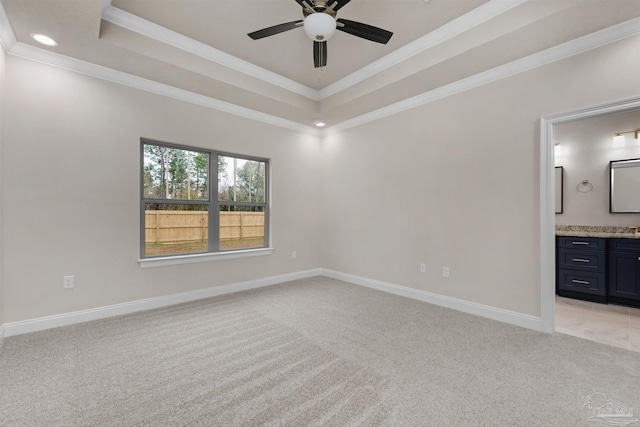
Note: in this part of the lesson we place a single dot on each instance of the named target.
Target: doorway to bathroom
(577, 148)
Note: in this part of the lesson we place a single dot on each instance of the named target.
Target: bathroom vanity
(599, 264)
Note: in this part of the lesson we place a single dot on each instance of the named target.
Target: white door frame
(547, 211)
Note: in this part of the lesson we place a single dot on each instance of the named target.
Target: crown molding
(574, 47)
(481, 14)
(136, 24)
(12, 47)
(51, 58)
(451, 29)
(591, 41)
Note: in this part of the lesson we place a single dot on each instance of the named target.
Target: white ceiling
(201, 47)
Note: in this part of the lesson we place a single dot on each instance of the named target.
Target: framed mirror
(559, 186)
(624, 189)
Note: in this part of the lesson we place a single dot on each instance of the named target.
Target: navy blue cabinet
(624, 271)
(598, 269)
(581, 268)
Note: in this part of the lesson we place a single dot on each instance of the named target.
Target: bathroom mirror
(624, 193)
(559, 188)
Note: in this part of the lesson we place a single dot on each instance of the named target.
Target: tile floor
(606, 323)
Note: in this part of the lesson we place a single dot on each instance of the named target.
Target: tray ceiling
(202, 47)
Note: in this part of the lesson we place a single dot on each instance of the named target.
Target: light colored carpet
(311, 352)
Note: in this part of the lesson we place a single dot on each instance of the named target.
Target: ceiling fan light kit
(320, 24)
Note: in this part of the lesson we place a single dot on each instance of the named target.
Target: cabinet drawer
(587, 243)
(582, 260)
(584, 282)
(624, 245)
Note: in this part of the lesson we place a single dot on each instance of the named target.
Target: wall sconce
(557, 149)
(619, 139)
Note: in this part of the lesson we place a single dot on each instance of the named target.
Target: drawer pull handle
(579, 243)
(582, 282)
(580, 260)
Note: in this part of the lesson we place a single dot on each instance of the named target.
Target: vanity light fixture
(619, 139)
(46, 40)
(557, 149)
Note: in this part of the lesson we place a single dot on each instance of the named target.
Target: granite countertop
(609, 231)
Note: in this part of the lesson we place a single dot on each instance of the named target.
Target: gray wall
(456, 183)
(3, 88)
(586, 152)
(72, 191)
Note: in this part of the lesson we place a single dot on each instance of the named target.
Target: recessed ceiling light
(46, 40)
(319, 123)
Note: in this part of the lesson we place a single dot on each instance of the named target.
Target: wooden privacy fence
(192, 226)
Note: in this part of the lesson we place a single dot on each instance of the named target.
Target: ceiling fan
(320, 23)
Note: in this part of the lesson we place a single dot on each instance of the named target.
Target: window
(185, 211)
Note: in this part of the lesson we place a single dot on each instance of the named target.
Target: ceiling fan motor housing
(318, 6)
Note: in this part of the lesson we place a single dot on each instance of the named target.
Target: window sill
(191, 258)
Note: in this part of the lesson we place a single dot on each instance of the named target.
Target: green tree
(155, 171)
(172, 173)
(200, 176)
(250, 182)
(177, 178)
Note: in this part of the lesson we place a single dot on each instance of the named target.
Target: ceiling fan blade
(276, 29)
(364, 31)
(319, 54)
(338, 4)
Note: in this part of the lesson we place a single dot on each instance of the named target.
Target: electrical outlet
(294, 254)
(423, 267)
(445, 271)
(67, 282)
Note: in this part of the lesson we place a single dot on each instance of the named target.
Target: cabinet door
(624, 274)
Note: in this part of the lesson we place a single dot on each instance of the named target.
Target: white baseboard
(506, 316)
(65, 319)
